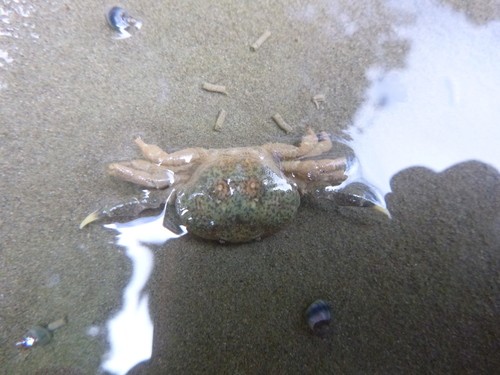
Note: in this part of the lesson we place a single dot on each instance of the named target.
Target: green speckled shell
(237, 199)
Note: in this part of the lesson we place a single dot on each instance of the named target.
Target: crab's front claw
(355, 194)
(148, 200)
(94, 216)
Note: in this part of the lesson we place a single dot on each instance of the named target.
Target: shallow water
(413, 90)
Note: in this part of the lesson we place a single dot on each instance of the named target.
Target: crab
(234, 194)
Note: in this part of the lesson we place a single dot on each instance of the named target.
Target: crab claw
(94, 216)
(149, 200)
(382, 210)
(356, 194)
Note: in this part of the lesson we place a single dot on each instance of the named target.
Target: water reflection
(130, 331)
(441, 109)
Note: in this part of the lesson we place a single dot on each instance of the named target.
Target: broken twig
(317, 99)
(214, 88)
(255, 46)
(282, 123)
(220, 120)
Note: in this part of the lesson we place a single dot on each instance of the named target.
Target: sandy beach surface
(419, 293)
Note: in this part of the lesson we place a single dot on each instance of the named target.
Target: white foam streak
(130, 331)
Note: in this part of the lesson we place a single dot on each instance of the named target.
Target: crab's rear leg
(143, 173)
(285, 151)
(157, 156)
(323, 144)
(308, 173)
(148, 200)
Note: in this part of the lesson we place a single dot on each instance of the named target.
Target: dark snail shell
(318, 317)
(118, 18)
(122, 22)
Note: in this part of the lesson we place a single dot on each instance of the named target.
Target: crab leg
(143, 173)
(156, 155)
(285, 151)
(324, 145)
(328, 170)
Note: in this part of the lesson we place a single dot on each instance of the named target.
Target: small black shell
(318, 317)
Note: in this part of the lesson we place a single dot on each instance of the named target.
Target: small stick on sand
(214, 88)
(220, 120)
(57, 324)
(320, 98)
(281, 123)
(255, 46)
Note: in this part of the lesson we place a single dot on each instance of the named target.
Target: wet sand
(419, 293)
